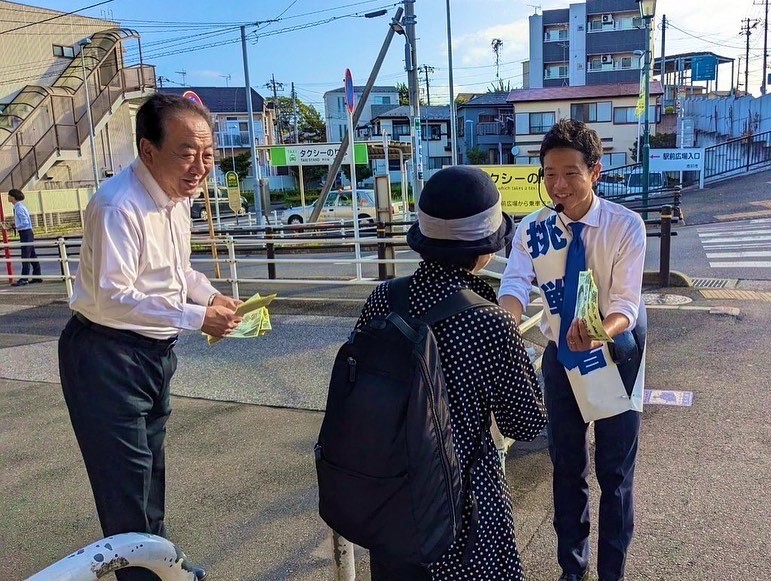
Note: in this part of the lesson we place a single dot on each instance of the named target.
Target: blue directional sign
(704, 68)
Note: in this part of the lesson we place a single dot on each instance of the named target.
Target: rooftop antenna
(227, 79)
(535, 7)
(183, 72)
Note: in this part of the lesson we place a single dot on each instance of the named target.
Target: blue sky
(315, 57)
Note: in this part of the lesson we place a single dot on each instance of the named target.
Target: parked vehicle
(611, 185)
(657, 181)
(198, 206)
(339, 206)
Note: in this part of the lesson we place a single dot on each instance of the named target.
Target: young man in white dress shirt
(135, 290)
(610, 240)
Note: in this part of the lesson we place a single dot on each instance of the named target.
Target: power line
(54, 17)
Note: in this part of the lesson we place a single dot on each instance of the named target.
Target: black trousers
(616, 441)
(116, 386)
(29, 262)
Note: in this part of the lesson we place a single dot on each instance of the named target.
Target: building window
(534, 123)
(591, 112)
(626, 62)
(438, 162)
(485, 118)
(556, 71)
(64, 51)
(382, 99)
(432, 132)
(401, 129)
(613, 160)
(628, 115)
(340, 104)
(555, 33)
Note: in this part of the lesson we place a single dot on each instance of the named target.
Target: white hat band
(467, 229)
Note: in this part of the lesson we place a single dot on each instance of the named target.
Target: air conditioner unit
(607, 19)
(607, 59)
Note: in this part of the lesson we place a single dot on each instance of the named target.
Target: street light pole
(252, 148)
(647, 10)
(83, 44)
(453, 111)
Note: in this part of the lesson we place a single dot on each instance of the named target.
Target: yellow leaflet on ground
(256, 322)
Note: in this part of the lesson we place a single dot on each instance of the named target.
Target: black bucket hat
(459, 214)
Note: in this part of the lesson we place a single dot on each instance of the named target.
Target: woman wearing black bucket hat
(460, 226)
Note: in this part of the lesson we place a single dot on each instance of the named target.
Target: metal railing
(737, 156)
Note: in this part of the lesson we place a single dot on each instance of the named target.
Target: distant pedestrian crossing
(745, 244)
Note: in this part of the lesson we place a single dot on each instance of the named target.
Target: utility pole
(749, 26)
(275, 85)
(765, 52)
(294, 114)
(412, 85)
(426, 70)
(663, 68)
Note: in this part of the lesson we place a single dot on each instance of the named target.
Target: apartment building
(611, 110)
(381, 98)
(598, 42)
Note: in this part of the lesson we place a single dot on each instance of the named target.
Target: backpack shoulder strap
(457, 302)
(399, 296)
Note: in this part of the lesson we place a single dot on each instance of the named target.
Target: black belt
(129, 337)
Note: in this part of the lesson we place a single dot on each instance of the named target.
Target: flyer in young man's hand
(256, 320)
(587, 307)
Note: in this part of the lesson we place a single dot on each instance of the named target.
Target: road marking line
(742, 254)
(740, 239)
(736, 294)
(722, 233)
(750, 264)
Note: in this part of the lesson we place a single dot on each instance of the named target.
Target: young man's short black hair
(571, 134)
(17, 195)
(153, 113)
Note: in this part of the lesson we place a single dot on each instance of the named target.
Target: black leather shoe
(573, 577)
(35, 280)
(20, 282)
(199, 573)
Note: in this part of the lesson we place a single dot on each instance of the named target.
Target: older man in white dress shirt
(135, 290)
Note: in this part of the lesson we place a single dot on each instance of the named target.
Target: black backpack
(388, 476)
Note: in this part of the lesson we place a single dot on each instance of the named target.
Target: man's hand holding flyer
(587, 307)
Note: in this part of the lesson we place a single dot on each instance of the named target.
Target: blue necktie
(576, 262)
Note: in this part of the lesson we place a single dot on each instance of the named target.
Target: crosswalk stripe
(753, 264)
(743, 254)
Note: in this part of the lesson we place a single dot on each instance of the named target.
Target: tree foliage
(657, 141)
(310, 123)
(243, 163)
(476, 156)
(404, 95)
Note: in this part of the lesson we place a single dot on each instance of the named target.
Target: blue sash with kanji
(596, 381)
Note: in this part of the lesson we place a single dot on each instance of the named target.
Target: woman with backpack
(486, 370)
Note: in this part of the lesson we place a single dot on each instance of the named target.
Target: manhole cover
(712, 282)
(665, 299)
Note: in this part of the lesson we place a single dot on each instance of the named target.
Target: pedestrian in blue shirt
(23, 224)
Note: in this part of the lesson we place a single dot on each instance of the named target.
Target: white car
(339, 206)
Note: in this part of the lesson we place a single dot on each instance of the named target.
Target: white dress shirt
(614, 238)
(134, 270)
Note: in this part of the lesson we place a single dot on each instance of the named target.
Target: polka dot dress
(487, 370)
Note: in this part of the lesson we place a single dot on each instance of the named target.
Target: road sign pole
(349, 101)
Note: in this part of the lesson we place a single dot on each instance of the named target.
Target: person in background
(23, 224)
(552, 245)
(135, 290)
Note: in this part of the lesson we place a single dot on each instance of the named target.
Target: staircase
(43, 125)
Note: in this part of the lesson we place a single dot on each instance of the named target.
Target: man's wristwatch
(210, 302)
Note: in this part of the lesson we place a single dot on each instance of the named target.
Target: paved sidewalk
(241, 483)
